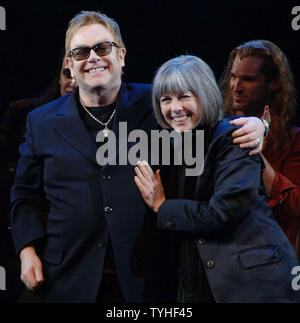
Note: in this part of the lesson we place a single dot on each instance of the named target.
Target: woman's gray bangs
(172, 81)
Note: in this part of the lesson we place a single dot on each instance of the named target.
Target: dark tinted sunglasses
(101, 49)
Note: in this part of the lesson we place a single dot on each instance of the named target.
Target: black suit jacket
(245, 254)
(85, 203)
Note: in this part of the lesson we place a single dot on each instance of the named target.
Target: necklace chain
(105, 130)
(102, 123)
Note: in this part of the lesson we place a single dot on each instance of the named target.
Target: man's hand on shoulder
(250, 135)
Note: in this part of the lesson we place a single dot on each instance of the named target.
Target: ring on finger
(257, 140)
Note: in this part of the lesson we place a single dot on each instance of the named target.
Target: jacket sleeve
(236, 179)
(285, 191)
(27, 196)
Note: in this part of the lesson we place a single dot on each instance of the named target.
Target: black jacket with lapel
(86, 202)
(245, 254)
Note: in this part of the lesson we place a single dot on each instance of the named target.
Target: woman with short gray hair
(233, 249)
(188, 73)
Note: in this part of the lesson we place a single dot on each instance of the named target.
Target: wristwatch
(266, 125)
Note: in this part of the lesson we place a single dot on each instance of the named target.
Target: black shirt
(93, 127)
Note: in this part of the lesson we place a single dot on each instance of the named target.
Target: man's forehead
(249, 64)
(237, 61)
(91, 35)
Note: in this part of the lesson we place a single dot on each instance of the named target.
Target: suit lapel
(127, 111)
(69, 124)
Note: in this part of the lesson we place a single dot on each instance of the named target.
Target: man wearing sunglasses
(96, 66)
(98, 241)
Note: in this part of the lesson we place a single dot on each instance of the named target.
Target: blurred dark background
(153, 31)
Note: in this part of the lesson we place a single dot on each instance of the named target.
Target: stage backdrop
(153, 31)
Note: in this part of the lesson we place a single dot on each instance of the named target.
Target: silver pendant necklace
(106, 131)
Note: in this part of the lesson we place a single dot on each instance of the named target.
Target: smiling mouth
(98, 69)
(182, 118)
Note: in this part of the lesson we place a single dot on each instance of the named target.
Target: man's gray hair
(188, 73)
